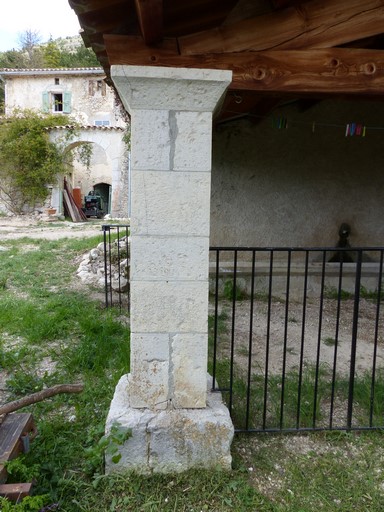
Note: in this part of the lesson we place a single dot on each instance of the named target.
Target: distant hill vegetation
(68, 52)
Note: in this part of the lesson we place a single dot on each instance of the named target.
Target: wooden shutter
(45, 97)
(67, 102)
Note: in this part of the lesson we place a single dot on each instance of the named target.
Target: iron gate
(297, 338)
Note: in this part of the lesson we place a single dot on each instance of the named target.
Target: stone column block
(155, 258)
(169, 307)
(170, 203)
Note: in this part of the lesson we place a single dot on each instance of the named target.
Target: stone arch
(109, 165)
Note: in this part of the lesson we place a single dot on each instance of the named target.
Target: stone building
(83, 94)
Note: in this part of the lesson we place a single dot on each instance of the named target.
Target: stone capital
(160, 88)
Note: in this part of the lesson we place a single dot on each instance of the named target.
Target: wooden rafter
(279, 4)
(81, 7)
(150, 15)
(315, 24)
(325, 71)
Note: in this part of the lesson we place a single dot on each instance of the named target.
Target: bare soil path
(43, 227)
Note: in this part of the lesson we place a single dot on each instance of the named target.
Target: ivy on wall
(29, 160)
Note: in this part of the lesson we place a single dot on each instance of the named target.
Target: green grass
(42, 316)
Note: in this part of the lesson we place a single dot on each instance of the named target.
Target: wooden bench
(16, 431)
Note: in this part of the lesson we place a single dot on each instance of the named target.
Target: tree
(51, 54)
(29, 42)
(12, 59)
(28, 159)
(78, 57)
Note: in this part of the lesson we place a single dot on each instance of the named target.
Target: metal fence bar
(282, 396)
(267, 345)
(116, 237)
(215, 320)
(321, 304)
(250, 339)
(355, 324)
(335, 351)
(234, 292)
(376, 339)
(302, 339)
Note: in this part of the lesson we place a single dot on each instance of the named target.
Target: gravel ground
(44, 227)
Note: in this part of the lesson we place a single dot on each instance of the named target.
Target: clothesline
(283, 123)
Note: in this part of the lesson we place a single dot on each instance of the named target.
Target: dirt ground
(317, 338)
(44, 227)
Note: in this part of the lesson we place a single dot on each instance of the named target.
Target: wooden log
(39, 396)
(314, 24)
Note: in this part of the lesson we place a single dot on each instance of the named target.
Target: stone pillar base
(171, 440)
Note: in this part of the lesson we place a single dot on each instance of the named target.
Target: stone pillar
(171, 116)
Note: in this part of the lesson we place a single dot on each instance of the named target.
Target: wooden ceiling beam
(150, 15)
(239, 104)
(280, 4)
(314, 24)
(83, 6)
(326, 71)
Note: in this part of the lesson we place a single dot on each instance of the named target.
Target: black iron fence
(297, 337)
(116, 265)
(296, 334)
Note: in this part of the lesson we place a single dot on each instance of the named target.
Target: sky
(48, 17)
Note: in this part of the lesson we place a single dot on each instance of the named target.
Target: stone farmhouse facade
(83, 94)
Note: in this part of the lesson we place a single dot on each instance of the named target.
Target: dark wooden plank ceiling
(276, 48)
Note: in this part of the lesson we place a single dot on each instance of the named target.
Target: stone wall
(295, 186)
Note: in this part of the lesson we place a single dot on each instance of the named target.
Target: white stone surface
(193, 136)
(189, 360)
(152, 382)
(172, 440)
(157, 258)
(169, 203)
(150, 370)
(160, 88)
(150, 140)
(169, 306)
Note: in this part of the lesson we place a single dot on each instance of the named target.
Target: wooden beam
(315, 24)
(280, 4)
(15, 492)
(330, 71)
(239, 104)
(150, 15)
(79, 6)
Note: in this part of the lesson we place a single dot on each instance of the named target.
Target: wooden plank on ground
(12, 429)
(15, 492)
(68, 204)
(77, 211)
